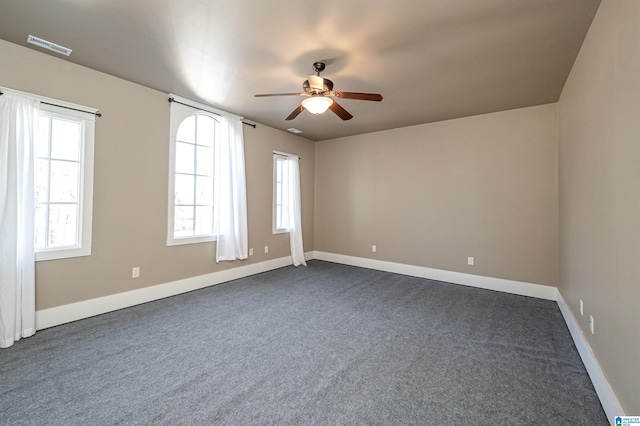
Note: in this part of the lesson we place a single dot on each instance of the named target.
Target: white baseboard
(75, 311)
(607, 397)
(498, 284)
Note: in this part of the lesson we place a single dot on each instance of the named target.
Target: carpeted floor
(326, 344)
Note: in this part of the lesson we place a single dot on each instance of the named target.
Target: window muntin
(63, 183)
(193, 180)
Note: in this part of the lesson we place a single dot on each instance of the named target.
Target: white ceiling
(431, 59)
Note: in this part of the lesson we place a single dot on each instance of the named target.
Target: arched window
(192, 178)
(207, 183)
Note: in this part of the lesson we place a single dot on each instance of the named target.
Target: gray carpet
(326, 344)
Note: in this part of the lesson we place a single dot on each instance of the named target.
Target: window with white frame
(280, 193)
(63, 183)
(192, 178)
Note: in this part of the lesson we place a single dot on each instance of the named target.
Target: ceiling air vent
(294, 130)
(48, 45)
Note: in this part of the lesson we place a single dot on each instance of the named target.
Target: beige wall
(131, 181)
(599, 161)
(434, 194)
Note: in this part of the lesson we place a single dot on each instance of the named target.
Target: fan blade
(280, 94)
(360, 96)
(340, 112)
(295, 112)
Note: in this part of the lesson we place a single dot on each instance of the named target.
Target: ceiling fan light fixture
(317, 104)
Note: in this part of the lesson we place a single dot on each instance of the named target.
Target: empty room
(347, 212)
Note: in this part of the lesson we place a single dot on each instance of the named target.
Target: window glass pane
(204, 161)
(204, 190)
(64, 181)
(184, 189)
(63, 225)
(285, 175)
(278, 170)
(65, 139)
(278, 193)
(41, 226)
(187, 130)
(43, 137)
(285, 217)
(183, 221)
(278, 216)
(204, 221)
(206, 128)
(185, 157)
(42, 181)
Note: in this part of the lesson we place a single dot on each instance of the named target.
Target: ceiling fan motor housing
(327, 87)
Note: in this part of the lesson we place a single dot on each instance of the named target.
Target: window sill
(62, 254)
(190, 240)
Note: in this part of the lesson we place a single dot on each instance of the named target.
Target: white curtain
(295, 212)
(18, 123)
(231, 193)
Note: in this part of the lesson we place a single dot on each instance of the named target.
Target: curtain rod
(286, 154)
(97, 113)
(211, 112)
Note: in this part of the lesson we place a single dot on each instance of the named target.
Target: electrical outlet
(470, 260)
(581, 307)
(135, 272)
(374, 248)
(250, 252)
(266, 249)
(591, 324)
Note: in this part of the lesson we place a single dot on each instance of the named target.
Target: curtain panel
(18, 127)
(295, 212)
(231, 193)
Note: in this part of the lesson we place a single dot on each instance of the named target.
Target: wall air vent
(48, 45)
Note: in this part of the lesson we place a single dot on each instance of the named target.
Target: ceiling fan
(319, 91)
